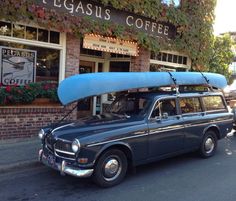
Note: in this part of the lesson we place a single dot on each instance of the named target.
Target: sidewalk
(18, 153)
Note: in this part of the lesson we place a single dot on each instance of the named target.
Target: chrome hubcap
(112, 169)
(209, 145)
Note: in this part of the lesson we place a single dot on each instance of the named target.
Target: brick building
(57, 55)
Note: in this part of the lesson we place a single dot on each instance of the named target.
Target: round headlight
(75, 145)
(41, 134)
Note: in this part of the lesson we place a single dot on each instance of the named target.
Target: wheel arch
(213, 128)
(120, 146)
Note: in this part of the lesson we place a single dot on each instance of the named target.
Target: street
(187, 177)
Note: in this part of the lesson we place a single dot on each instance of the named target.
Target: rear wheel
(110, 168)
(208, 145)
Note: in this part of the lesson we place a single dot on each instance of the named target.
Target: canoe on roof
(92, 84)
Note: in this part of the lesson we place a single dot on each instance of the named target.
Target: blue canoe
(92, 84)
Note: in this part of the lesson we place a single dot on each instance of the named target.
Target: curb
(19, 165)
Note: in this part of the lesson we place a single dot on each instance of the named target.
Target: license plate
(51, 160)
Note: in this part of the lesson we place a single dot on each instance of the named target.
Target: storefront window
(29, 32)
(5, 28)
(47, 60)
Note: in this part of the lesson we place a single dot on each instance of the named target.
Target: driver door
(166, 130)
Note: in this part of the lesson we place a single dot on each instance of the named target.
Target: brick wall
(141, 63)
(72, 55)
(25, 121)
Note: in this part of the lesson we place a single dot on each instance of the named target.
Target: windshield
(130, 106)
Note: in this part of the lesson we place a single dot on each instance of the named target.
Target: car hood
(93, 125)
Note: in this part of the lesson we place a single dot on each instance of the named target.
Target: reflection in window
(190, 105)
(18, 31)
(213, 103)
(47, 64)
(5, 28)
(54, 37)
(31, 33)
(42, 35)
(167, 106)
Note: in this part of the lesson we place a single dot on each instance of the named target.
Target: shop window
(42, 35)
(5, 28)
(18, 31)
(54, 37)
(47, 60)
(180, 60)
(29, 33)
(113, 55)
(170, 57)
(175, 59)
(164, 57)
(117, 66)
(100, 67)
(185, 60)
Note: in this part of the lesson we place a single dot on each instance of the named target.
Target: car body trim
(65, 152)
(158, 131)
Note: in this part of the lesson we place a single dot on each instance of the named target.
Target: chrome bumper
(64, 168)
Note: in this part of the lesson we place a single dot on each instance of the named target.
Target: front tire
(110, 168)
(208, 145)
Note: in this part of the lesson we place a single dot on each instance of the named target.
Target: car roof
(163, 94)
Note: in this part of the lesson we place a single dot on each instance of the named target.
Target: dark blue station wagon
(138, 128)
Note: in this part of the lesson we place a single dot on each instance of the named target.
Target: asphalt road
(183, 178)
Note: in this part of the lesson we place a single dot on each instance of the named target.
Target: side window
(166, 106)
(212, 103)
(190, 105)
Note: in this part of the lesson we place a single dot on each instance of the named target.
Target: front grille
(49, 141)
(63, 149)
(63, 146)
(64, 155)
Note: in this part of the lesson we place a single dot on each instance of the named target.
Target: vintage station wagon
(138, 128)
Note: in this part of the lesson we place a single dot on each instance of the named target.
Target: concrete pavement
(18, 153)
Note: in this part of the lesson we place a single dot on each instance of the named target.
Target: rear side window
(212, 103)
(190, 105)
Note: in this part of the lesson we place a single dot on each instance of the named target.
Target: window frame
(160, 99)
(191, 113)
(61, 46)
(215, 110)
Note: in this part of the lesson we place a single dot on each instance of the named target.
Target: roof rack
(207, 80)
(175, 84)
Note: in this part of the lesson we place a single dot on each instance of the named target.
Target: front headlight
(75, 145)
(41, 134)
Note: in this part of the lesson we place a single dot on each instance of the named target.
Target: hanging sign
(17, 66)
(107, 44)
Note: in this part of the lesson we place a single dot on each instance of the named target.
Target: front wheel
(110, 168)
(208, 145)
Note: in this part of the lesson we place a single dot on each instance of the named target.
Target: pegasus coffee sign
(17, 66)
(99, 12)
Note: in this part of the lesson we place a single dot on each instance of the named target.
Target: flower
(8, 89)
(26, 94)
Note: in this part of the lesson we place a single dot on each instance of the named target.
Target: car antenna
(207, 80)
(175, 84)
